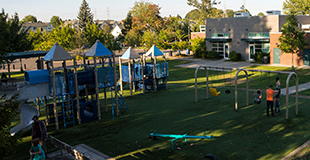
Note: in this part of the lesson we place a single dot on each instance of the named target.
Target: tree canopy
(12, 37)
(29, 18)
(56, 21)
(300, 7)
(84, 16)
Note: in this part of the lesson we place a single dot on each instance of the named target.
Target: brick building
(250, 35)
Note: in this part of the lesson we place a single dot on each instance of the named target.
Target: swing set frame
(290, 74)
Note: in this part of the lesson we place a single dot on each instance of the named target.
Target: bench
(79, 152)
(65, 147)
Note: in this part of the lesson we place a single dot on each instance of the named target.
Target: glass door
(252, 52)
(226, 51)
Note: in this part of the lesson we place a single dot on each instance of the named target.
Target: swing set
(206, 68)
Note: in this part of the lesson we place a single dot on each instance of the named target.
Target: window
(220, 35)
(258, 35)
(218, 47)
(202, 28)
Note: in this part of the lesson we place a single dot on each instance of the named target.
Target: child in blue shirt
(36, 150)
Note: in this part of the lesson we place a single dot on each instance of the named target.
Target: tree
(179, 34)
(85, 16)
(92, 33)
(145, 16)
(56, 21)
(198, 46)
(261, 14)
(127, 23)
(206, 9)
(8, 110)
(29, 18)
(193, 15)
(106, 28)
(133, 38)
(148, 39)
(36, 38)
(230, 13)
(300, 7)
(292, 39)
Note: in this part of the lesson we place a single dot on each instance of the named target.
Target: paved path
(292, 90)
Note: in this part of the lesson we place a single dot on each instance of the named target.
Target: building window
(258, 47)
(258, 35)
(202, 28)
(220, 35)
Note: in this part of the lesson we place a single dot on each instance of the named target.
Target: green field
(243, 134)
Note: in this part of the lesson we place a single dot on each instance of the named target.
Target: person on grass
(36, 150)
(269, 97)
(278, 85)
(258, 97)
(39, 131)
(277, 103)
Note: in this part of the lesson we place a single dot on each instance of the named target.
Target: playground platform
(88, 152)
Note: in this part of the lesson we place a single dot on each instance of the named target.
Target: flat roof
(26, 54)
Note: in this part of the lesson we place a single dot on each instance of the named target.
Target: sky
(118, 9)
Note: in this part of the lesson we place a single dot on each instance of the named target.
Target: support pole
(96, 85)
(120, 74)
(54, 94)
(46, 112)
(104, 89)
(207, 81)
(77, 93)
(142, 74)
(115, 85)
(133, 75)
(154, 73)
(129, 70)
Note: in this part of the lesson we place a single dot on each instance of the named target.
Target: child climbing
(278, 86)
(36, 150)
(258, 97)
(277, 103)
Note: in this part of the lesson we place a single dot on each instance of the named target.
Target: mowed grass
(243, 134)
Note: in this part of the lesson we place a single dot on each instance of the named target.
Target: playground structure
(150, 76)
(131, 73)
(176, 137)
(290, 74)
(155, 75)
(70, 90)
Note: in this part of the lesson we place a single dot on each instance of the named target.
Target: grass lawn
(243, 134)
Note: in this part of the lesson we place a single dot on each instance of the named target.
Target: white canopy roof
(130, 54)
(154, 51)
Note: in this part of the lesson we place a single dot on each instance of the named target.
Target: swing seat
(214, 92)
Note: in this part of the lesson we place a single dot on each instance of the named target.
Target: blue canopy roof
(130, 54)
(98, 50)
(154, 51)
(57, 53)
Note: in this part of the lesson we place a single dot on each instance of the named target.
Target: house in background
(34, 26)
(252, 34)
(117, 30)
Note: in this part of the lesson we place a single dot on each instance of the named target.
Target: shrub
(259, 57)
(234, 56)
(212, 54)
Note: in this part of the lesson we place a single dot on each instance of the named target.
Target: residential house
(34, 26)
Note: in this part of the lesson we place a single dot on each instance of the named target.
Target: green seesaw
(176, 137)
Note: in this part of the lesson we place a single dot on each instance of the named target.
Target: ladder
(121, 100)
(68, 109)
